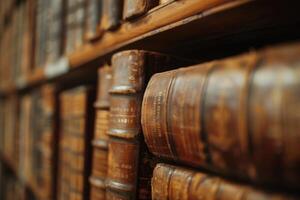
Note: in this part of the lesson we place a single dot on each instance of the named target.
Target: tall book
(100, 141)
(75, 22)
(74, 147)
(131, 71)
(237, 116)
(45, 138)
(172, 183)
(26, 139)
(93, 18)
(111, 14)
(41, 32)
(55, 22)
(134, 8)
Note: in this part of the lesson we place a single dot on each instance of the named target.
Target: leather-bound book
(75, 143)
(172, 183)
(93, 18)
(55, 22)
(46, 139)
(75, 25)
(111, 14)
(133, 8)
(236, 116)
(100, 141)
(25, 140)
(131, 71)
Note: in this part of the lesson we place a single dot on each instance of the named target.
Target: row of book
(15, 44)
(227, 129)
(39, 33)
(27, 139)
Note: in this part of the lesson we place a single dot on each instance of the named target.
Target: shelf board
(175, 27)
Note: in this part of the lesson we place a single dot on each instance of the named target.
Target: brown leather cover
(75, 148)
(172, 183)
(100, 146)
(92, 20)
(131, 72)
(111, 14)
(133, 8)
(237, 116)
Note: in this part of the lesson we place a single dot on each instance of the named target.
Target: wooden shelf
(174, 28)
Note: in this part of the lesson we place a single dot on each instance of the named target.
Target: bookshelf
(210, 22)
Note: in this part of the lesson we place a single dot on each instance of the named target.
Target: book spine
(46, 140)
(134, 8)
(93, 18)
(75, 145)
(217, 115)
(170, 183)
(100, 146)
(273, 116)
(124, 127)
(112, 14)
(131, 72)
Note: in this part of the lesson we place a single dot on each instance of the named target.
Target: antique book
(100, 141)
(111, 14)
(41, 32)
(45, 149)
(172, 183)
(236, 116)
(92, 19)
(75, 25)
(131, 71)
(55, 39)
(25, 144)
(133, 8)
(75, 143)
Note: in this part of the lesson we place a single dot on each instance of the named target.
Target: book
(55, 35)
(165, 1)
(236, 116)
(45, 141)
(130, 72)
(134, 8)
(74, 146)
(75, 25)
(41, 33)
(111, 14)
(93, 18)
(171, 182)
(100, 140)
